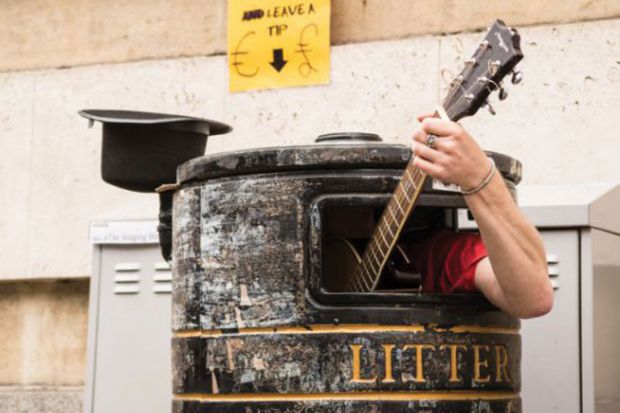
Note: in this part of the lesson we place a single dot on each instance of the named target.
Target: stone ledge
(84, 32)
(37, 399)
(10, 278)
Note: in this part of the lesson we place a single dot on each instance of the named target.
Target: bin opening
(346, 227)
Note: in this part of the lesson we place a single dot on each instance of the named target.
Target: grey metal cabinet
(570, 361)
(129, 366)
(550, 349)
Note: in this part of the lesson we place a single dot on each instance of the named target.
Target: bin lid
(320, 156)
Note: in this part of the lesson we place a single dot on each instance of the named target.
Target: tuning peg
(502, 93)
(489, 108)
(517, 77)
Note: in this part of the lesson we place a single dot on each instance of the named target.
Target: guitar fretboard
(388, 229)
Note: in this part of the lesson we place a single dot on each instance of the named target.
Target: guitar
(495, 58)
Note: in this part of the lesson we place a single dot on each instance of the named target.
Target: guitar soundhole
(345, 231)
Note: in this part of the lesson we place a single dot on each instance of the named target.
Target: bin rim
(349, 156)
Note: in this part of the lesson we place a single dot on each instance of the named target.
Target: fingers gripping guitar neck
(385, 235)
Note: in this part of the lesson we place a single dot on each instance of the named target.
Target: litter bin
(255, 329)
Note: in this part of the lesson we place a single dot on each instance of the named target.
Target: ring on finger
(431, 141)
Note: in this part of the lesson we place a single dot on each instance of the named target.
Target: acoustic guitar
(495, 58)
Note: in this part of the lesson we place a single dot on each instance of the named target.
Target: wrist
(484, 182)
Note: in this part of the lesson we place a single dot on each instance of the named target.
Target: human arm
(514, 275)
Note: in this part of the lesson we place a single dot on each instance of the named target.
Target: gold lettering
(501, 364)
(387, 350)
(357, 375)
(454, 348)
(478, 363)
(419, 366)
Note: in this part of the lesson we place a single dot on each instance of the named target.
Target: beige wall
(43, 333)
(66, 33)
(42, 346)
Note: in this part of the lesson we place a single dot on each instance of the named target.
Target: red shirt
(447, 261)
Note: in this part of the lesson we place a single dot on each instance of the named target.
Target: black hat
(141, 150)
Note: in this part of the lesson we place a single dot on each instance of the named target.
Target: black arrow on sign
(278, 60)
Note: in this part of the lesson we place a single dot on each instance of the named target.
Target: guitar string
(417, 174)
(458, 84)
(483, 47)
(367, 276)
(395, 221)
(371, 278)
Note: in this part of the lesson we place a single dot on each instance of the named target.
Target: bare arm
(514, 276)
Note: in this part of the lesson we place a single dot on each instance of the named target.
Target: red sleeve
(447, 261)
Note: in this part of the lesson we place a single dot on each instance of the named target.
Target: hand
(456, 157)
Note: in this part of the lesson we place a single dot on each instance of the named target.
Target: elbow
(548, 301)
(540, 308)
(541, 305)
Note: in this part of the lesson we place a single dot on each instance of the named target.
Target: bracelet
(484, 182)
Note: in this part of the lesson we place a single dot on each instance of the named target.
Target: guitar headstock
(496, 57)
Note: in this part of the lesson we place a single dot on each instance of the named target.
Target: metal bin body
(253, 329)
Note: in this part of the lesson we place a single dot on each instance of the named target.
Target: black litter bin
(255, 325)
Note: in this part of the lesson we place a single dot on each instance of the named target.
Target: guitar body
(341, 260)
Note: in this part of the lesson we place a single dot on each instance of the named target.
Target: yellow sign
(274, 44)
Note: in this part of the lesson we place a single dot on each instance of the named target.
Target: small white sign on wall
(124, 232)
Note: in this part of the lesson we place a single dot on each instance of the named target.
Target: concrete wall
(59, 57)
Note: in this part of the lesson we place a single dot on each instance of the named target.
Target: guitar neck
(392, 221)
(387, 231)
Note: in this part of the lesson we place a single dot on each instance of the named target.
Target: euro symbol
(235, 55)
(306, 68)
